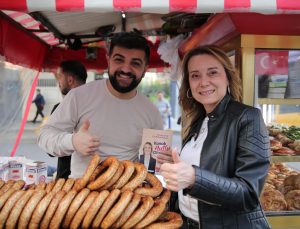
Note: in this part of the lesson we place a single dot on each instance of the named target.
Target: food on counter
(279, 189)
(293, 200)
(139, 203)
(283, 151)
(284, 140)
(275, 145)
(273, 200)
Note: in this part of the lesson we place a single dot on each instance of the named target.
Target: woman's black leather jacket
(233, 167)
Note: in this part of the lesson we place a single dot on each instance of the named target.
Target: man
(39, 103)
(164, 108)
(106, 116)
(70, 74)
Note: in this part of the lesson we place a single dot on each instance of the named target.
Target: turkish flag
(271, 62)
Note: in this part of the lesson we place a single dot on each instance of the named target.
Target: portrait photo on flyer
(154, 142)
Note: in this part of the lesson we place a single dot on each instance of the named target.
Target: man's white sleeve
(56, 135)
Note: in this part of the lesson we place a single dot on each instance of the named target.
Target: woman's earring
(188, 94)
(228, 90)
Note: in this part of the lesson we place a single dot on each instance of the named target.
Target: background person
(105, 116)
(224, 161)
(147, 159)
(39, 103)
(164, 108)
(70, 74)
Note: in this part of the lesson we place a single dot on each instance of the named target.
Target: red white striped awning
(30, 23)
(155, 6)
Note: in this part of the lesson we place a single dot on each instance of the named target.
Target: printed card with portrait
(154, 142)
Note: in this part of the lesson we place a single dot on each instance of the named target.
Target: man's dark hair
(130, 40)
(74, 68)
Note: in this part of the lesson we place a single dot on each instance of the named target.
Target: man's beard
(65, 90)
(115, 84)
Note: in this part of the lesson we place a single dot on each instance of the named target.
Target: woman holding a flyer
(224, 161)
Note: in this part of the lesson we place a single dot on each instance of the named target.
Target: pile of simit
(110, 194)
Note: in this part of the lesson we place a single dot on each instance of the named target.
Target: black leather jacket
(233, 166)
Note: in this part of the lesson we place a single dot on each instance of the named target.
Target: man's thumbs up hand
(84, 142)
(85, 126)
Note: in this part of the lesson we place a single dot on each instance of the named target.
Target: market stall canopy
(80, 28)
(154, 6)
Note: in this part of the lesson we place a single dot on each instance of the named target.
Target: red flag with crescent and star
(271, 62)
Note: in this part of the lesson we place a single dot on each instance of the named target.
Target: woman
(147, 159)
(225, 156)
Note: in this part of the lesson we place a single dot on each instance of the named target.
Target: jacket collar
(220, 108)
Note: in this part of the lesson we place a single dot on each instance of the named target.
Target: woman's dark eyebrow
(212, 68)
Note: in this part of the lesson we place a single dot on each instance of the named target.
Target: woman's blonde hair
(191, 108)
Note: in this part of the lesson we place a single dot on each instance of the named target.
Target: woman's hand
(84, 142)
(178, 175)
(164, 157)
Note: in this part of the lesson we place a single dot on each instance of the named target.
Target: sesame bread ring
(146, 204)
(30, 187)
(10, 203)
(2, 182)
(11, 222)
(68, 185)
(117, 209)
(58, 185)
(94, 208)
(62, 209)
(155, 189)
(19, 184)
(83, 181)
(115, 178)
(155, 212)
(50, 186)
(134, 203)
(128, 172)
(6, 186)
(111, 165)
(76, 203)
(106, 206)
(41, 186)
(80, 214)
(138, 179)
(40, 211)
(169, 220)
(29, 208)
(4, 197)
(51, 209)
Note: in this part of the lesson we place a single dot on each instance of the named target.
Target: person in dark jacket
(39, 103)
(224, 160)
(70, 74)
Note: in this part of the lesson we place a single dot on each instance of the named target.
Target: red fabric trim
(288, 4)
(19, 47)
(67, 5)
(17, 5)
(180, 5)
(127, 4)
(230, 4)
(24, 119)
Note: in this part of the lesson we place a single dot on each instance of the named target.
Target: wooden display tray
(289, 158)
(284, 219)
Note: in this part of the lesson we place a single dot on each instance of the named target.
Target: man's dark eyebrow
(118, 55)
(138, 60)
